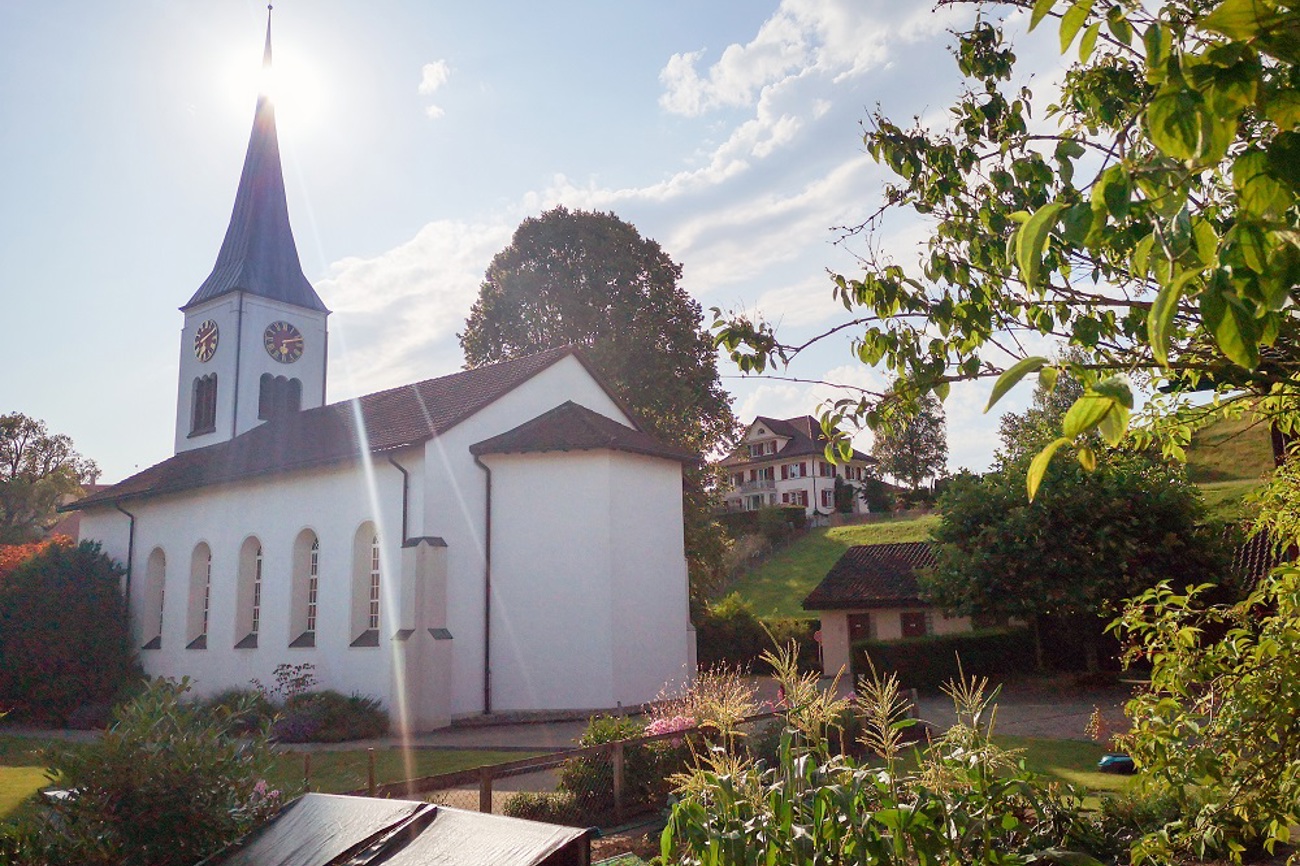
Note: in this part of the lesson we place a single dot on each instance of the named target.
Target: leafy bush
(64, 640)
(929, 662)
(728, 633)
(248, 709)
(777, 523)
(329, 717)
(553, 807)
(168, 784)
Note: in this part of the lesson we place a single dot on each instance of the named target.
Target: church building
(503, 539)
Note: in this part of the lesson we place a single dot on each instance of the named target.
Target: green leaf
(1041, 8)
(1233, 328)
(1176, 121)
(1012, 376)
(1142, 254)
(1118, 24)
(1047, 378)
(1039, 467)
(1160, 320)
(1156, 41)
(1116, 388)
(1089, 41)
(1072, 20)
(1032, 240)
(1242, 20)
(1087, 458)
(1114, 425)
(1085, 414)
(1258, 192)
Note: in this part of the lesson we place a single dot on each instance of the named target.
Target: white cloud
(432, 77)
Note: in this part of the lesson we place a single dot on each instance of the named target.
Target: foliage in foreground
(168, 784)
(63, 634)
(962, 801)
(1217, 731)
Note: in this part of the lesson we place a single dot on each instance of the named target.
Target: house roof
(259, 255)
(873, 575)
(571, 427)
(806, 439)
(374, 423)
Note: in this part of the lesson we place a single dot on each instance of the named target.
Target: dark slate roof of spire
(259, 255)
(392, 419)
(571, 427)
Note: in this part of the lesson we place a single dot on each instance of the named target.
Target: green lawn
(1230, 450)
(22, 772)
(777, 586)
(1073, 761)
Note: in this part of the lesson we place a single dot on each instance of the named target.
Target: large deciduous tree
(1086, 543)
(913, 446)
(37, 470)
(591, 280)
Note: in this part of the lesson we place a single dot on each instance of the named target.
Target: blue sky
(416, 136)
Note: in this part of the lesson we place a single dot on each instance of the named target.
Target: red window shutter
(785, 472)
(803, 468)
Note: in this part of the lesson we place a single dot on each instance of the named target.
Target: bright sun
(292, 82)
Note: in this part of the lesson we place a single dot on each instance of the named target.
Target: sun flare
(292, 82)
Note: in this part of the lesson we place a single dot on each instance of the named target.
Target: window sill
(249, 642)
(368, 638)
(154, 644)
(306, 640)
(200, 642)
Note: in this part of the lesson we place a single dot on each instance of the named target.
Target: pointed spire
(259, 255)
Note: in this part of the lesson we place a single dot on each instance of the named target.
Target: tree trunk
(1038, 644)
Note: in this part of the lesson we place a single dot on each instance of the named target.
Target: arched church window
(277, 395)
(366, 580)
(155, 577)
(305, 589)
(248, 618)
(203, 405)
(200, 598)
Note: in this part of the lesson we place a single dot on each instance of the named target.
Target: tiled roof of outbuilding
(391, 419)
(873, 575)
(806, 440)
(571, 427)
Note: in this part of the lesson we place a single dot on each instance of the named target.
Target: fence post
(485, 789)
(370, 771)
(617, 755)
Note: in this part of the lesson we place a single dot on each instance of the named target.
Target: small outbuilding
(872, 593)
(328, 829)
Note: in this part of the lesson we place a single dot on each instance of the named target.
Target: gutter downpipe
(406, 494)
(487, 589)
(130, 555)
(239, 341)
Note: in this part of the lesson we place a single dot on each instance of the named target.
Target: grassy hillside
(777, 586)
(1228, 460)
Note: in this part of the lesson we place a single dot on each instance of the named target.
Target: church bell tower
(254, 342)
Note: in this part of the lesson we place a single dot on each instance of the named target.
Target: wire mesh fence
(603, 785)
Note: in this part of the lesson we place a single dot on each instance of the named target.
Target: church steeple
(255, 343)
(259, 255)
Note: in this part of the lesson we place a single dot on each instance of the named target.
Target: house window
(756, 449)
(915, 623)
(799, 497)
(797, 470)
(155, 577)
(828, 499)
(771, 447)
(248, 594)
(303, 589)
(200, 597)
(366, 577)
(859, 627)
(203, 405)
(826, 470)
(767, 473)
(278, 395)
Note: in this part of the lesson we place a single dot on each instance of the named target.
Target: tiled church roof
(390, 419)
(570, 427)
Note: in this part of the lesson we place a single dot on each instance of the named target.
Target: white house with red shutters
(783, 462)
(397, 542)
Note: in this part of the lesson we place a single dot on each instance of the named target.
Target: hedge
(727, 633)
(929, 662)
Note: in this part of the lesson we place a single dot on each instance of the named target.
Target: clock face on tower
(283, 342)
(205, 340)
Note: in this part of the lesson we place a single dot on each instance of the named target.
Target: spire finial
(266, 55)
